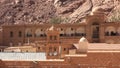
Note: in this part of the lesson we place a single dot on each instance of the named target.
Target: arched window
(95, 23)
(80, 31)
(70, 32)
(28, 32)
(110, 31)
(61, 30)
(39, 32)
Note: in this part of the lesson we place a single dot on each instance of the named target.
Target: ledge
(76, 55)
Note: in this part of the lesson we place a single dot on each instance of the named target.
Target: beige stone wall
(72, 52)
(28, 49)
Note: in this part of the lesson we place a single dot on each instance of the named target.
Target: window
(29, 35)
(64, 49)
(28, 32)
(95, 30)
(50, 37)
(12, 51)
(39, 32)
(61, 29)
(55, 38)
(11, 34)
(26, 50)
(50, 48)
(38, 47)
(20, 34)
(55, 49)
(41, 29)
(72, 29)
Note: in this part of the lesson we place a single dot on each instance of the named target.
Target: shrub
(56, 20)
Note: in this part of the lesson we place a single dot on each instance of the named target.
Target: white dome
(83, 39)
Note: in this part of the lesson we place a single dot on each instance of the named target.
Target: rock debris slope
(43, 11)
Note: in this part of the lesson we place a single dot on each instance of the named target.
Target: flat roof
(77, 55)
(23, 56)
(103, 47)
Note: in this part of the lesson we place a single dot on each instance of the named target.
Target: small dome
(83, 39)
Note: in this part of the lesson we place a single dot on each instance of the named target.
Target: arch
(28, 32)
(110, 30)
(39, 32)
(95, 23)
(70, 31)
(80, 30)
(61, 30)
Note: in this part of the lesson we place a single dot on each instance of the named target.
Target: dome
(83, 39)
(82, 45)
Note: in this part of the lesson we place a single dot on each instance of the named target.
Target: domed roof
(83, 39)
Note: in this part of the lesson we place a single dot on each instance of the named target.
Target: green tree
(56, 20)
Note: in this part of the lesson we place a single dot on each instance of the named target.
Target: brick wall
(104, 60)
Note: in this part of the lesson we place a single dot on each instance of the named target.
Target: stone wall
(96, 59)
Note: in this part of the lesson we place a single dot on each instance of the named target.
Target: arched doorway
(95, 32)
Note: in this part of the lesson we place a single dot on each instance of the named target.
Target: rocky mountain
(46, 11)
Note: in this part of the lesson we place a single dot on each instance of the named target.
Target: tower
(52, 35)
(95, 23)
(52, 47)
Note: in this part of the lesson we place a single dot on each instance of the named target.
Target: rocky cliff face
(42, 11)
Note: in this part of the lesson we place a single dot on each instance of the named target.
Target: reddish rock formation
(42, 11)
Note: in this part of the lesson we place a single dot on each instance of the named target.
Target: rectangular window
(61, 29)
(11, 34)
(50, 37)
(55, 49)
(71, 29)
(64, 49)
(55, 38)
(20, 34)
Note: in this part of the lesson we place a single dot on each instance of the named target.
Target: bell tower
(95, 23)
(53, 44)
(52, 35)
